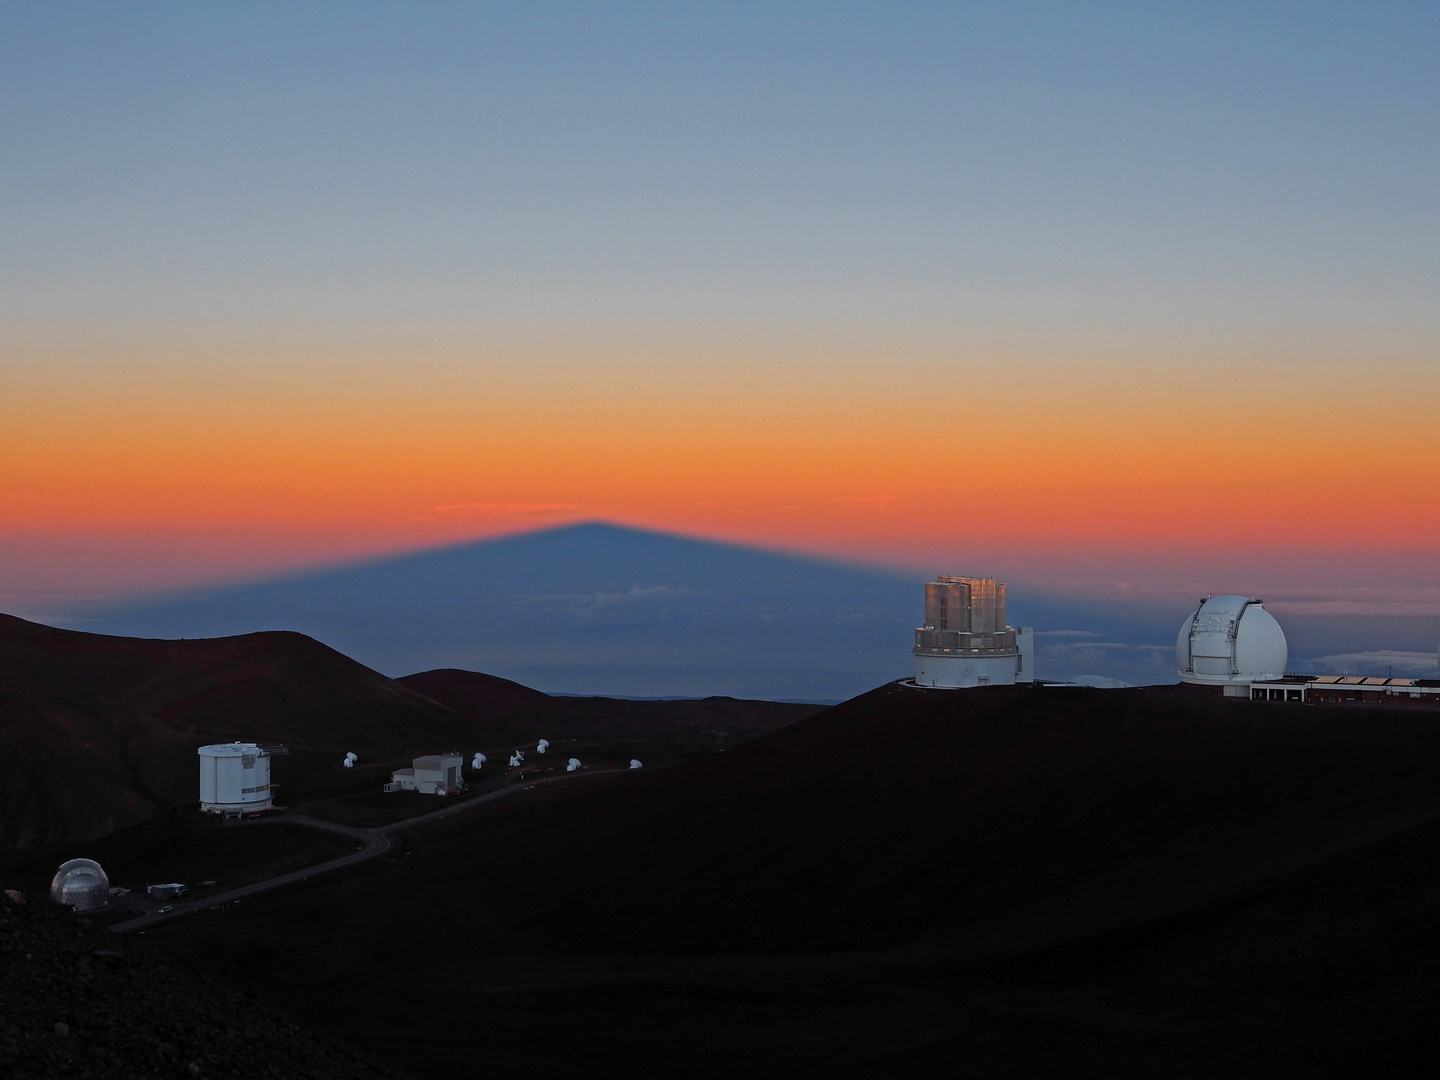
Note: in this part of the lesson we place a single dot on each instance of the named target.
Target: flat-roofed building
(1359, 689)
(432, 774)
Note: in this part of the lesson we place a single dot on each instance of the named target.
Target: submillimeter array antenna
(542, 746)
(350, 760)
(515, 759)
(635, 763)
(479, 761)
(574, 764)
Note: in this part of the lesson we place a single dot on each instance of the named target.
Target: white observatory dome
(1230, 640)
(80, 884)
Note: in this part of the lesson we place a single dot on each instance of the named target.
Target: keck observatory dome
(1230, 641)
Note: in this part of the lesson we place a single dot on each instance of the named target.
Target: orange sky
(1026, 463)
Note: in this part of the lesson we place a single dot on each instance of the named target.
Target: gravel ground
(76, 1001)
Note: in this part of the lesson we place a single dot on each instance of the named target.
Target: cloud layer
(1380, 661)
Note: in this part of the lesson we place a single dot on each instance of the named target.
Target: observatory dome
(81, 884)
(1229, 641)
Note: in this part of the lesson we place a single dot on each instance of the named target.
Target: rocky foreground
(76, 1001)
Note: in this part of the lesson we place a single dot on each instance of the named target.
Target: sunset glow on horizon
(311, 462)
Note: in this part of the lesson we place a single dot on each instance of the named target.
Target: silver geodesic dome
(80, 884)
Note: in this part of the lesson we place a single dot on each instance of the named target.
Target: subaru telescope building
(965, 640)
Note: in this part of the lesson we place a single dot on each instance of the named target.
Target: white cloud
(583, 605)
(636, 594)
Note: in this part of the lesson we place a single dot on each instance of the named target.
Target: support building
(433, 774)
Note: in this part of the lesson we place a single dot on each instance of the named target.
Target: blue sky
(1106, 169)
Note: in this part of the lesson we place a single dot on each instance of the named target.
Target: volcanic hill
(904, 812)
(100, 732)
(1013, 878)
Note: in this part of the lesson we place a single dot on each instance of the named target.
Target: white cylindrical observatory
(234, 777)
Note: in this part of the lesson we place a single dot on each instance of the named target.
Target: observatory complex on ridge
(966, 641)
(1233, 644)
(1229, 646)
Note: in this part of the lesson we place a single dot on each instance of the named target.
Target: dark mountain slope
(100, 732)
(507, 712)
(1028, 814)
(506, 709)
(78, 1001)
(1009, 881)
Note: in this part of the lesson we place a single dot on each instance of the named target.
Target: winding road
(374, 843)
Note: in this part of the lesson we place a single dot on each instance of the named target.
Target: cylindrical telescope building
(234, 778)
(965, 640)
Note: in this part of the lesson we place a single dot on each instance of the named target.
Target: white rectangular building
(433, 774)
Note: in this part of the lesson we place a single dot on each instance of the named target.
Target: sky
(1135, 298)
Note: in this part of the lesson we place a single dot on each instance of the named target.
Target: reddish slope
(99, 732)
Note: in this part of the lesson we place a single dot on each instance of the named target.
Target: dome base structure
(955, 672)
